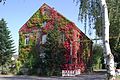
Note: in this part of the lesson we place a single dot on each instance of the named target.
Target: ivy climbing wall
(41, 22)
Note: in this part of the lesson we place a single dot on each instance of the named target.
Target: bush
(97, 56)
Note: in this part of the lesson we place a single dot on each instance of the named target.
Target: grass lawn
(118, 77)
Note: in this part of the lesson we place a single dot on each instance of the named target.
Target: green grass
(118, 77)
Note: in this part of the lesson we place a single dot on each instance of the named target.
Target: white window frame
(44, 39)
(63, 37)
(44, 23)
(44, 11)
(27, 39)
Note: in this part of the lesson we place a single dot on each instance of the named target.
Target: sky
(17, 12)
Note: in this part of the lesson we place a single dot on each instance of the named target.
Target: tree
(114, 13)
(97, 56)
(113, 9)
(2, 1)
(54, 52)
(97, 11)
(6, 44)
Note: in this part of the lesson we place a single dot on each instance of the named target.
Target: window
(38, 36)
(44, 11)
(78, 35)
(27, 39)
(63, 37)
(44, 23)
(44, 39)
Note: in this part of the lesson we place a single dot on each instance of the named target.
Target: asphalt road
(80, 77)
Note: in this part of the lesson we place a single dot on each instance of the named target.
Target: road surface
(80, 77)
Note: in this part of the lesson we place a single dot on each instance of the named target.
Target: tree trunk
(108, 55)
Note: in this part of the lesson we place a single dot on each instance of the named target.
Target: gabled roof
(27, 29)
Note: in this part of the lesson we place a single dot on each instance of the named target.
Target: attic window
(44, 11)
(27, 39)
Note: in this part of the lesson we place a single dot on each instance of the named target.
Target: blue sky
(17, 12)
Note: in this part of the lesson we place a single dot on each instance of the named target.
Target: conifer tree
(6, 44)
(54, 52)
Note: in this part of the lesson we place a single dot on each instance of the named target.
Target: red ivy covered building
(77, 44)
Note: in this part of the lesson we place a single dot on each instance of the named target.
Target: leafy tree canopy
(90, 12)
(2, 1)
(97, 56)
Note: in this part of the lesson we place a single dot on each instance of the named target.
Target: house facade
(77, 44)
